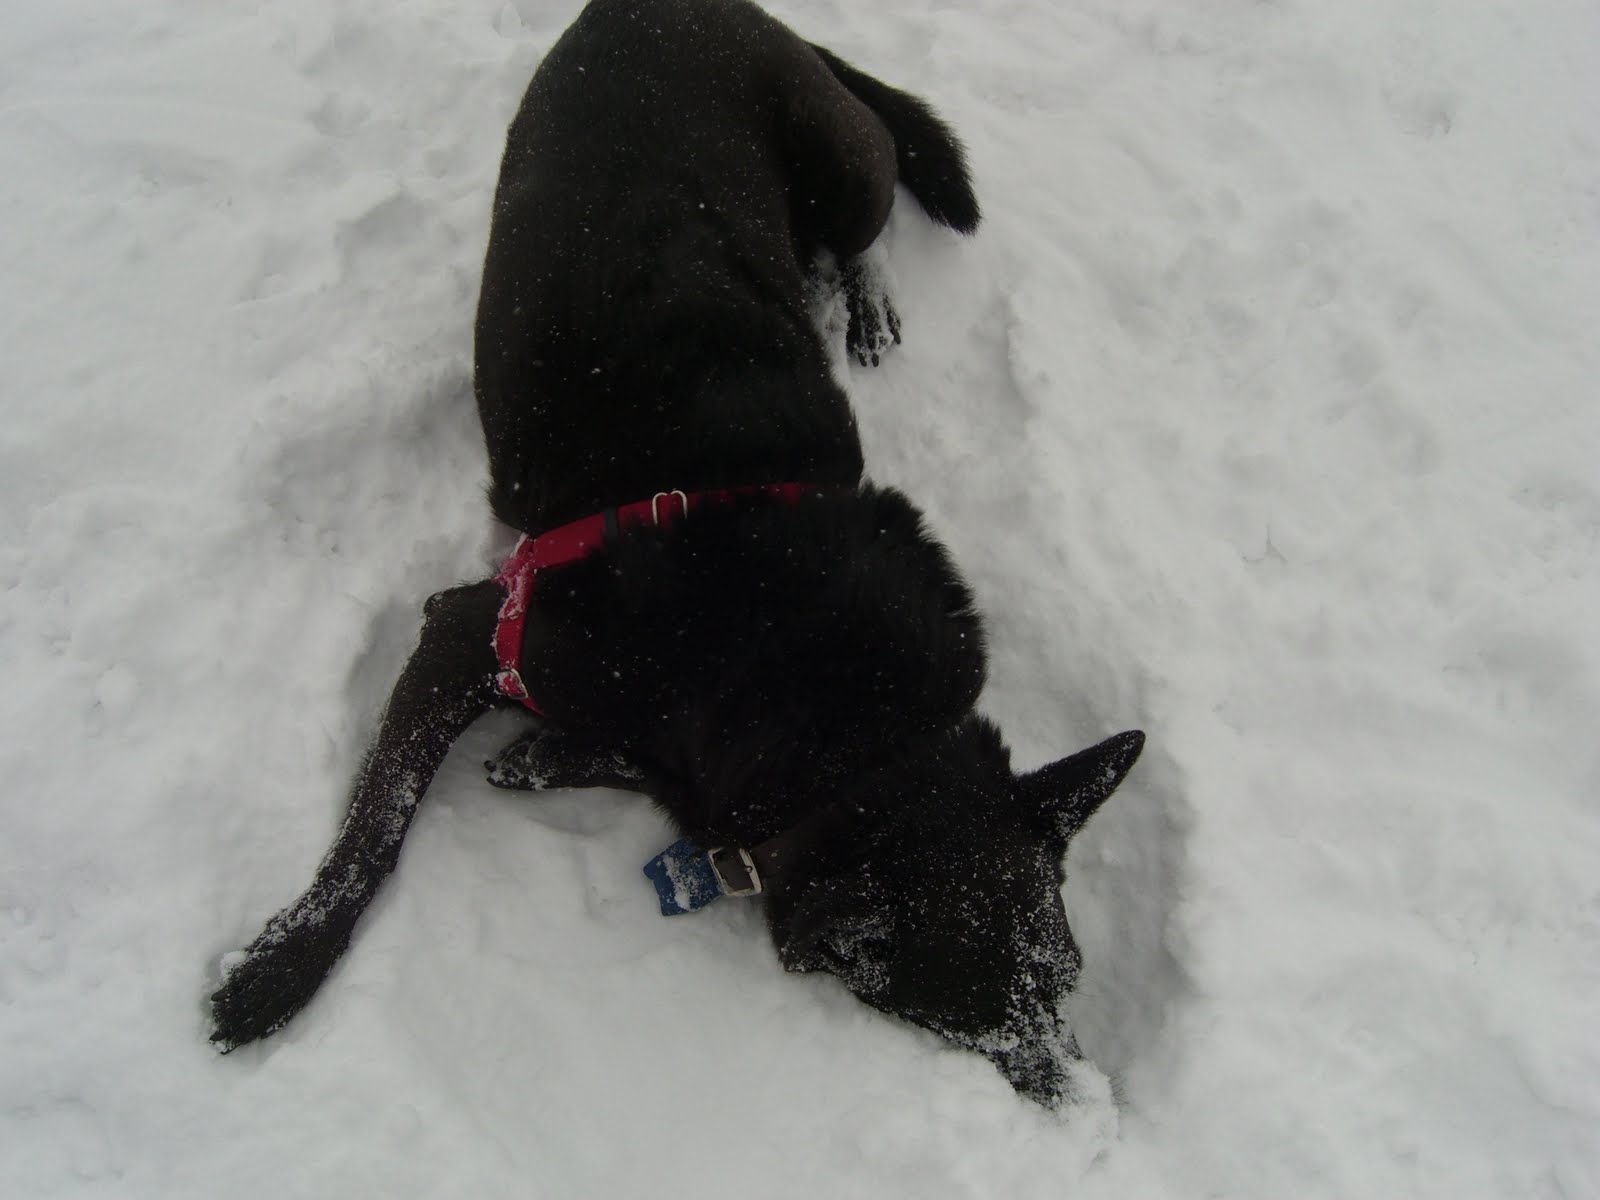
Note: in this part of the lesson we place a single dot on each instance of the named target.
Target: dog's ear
(1066, 793)
(840, 926)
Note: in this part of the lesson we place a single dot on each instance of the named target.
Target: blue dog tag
(683, 877)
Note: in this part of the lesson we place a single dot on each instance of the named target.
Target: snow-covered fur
(675, 171)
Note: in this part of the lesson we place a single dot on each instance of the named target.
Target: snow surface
(1262, 413)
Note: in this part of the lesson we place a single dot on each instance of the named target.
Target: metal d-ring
(655, 501)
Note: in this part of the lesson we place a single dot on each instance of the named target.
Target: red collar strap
(578, 540)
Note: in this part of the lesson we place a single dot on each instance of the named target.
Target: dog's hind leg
(929, 157)
(851, 137)
(841, 166)
(841, 161)
(445, 686)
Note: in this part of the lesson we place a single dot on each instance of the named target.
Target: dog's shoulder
(765, 641)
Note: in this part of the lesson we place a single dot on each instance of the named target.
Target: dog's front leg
(548, 759)
(446, 685)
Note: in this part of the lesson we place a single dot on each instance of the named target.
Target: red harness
(578, 540)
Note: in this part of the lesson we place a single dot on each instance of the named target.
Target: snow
(1261, 414)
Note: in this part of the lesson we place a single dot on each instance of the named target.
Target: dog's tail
(931, 160)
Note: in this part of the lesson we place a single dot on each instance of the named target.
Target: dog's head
(949, 912)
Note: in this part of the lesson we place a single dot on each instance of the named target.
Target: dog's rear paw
(547, 759)
(874, 324)
(271, 981)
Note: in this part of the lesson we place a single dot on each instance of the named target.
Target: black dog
(788, 671)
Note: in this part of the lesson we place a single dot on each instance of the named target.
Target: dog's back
(668, 180)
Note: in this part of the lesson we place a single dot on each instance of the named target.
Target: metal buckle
(752, 884)
(655, 501)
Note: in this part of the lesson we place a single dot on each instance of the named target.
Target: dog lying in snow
(723, 614)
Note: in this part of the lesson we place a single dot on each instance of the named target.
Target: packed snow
(1262, 414)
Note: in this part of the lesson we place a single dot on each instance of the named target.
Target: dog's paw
(273, 979)
(547, 759)
(874, 324)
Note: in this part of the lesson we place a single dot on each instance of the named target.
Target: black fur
(674, 177)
